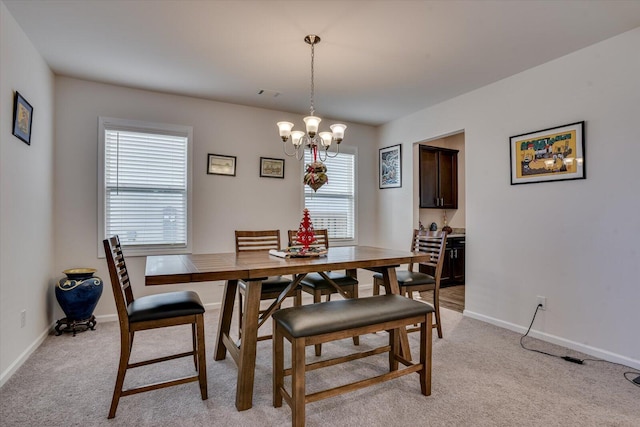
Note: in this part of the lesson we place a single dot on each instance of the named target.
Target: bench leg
(278, 365)
(394, 343)
(354, 294)
(298, 382)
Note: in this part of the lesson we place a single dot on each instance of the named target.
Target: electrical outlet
(542, 301)
(23, 318)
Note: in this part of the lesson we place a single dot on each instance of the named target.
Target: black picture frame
(271, 168)
(22, 118)
(218, 164)
(390, 167)
(547, 155)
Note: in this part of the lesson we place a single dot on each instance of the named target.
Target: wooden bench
(334, 320)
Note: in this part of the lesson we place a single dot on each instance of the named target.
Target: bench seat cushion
(332, 316)
(163, 306)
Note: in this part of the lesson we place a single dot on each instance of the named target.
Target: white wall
(221, 204)
(574, 242)
(26, 203)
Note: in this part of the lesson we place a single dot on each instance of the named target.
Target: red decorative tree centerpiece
(305, 236)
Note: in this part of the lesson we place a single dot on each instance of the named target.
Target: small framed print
(390, 163)
(22, 118)
(554, 154)
(218, 164)
(271, 168)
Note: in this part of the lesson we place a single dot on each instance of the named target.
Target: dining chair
(318, 286)
(410, 281)
(151, 312)
(262, 240)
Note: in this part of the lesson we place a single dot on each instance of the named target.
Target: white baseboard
(586, 349)
(4, 377)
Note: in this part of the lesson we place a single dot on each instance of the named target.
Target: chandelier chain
(312, 84)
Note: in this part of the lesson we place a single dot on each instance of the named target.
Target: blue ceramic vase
(78, 293)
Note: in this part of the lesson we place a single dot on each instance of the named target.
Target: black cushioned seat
(410, 278)
(316, 281)
(166, 305)
(272, 284)
(333, 316)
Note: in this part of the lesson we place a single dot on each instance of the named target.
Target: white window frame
(109, 123)
(345, 149)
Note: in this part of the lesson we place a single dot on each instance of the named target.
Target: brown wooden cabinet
(438, 177)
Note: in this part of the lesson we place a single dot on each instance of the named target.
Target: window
(145, 180)
(333, 206)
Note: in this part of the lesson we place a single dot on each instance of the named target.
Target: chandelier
(318, 142)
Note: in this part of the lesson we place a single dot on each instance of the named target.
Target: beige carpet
(481, 377)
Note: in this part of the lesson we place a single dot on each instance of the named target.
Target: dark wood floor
(451, 297)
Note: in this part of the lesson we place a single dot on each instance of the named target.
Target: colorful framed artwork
(390, 167)
(22, 118)
(271, 168)
(554, 154)
(218, 164)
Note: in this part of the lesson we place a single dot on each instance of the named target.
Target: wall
(221, 204)
(26, 203)
(574, 242)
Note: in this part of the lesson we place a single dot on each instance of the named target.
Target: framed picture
(554, 154)
(390, 164)
(22, 118)
(218, 164)
(271, 168)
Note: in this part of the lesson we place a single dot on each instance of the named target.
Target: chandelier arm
(295, 152)
(336, 152)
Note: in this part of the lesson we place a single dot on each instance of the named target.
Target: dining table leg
(390, 281)
(226, 313)
(247, 359)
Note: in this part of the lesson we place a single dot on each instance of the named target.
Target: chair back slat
(433, 243)
(321, 235)
(262, 240)
(119, 276)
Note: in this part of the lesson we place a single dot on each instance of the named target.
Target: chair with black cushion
(262, 240)
(318, 286)
(414, 281)
(151, 312)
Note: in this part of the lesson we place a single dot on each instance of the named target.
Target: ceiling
(377, 61)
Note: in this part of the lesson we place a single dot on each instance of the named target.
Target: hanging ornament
(316, 175)
(306, 235)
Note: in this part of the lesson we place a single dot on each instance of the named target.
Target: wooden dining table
(253, 267)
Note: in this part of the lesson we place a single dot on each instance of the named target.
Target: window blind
(333, 205)
(146, 188)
